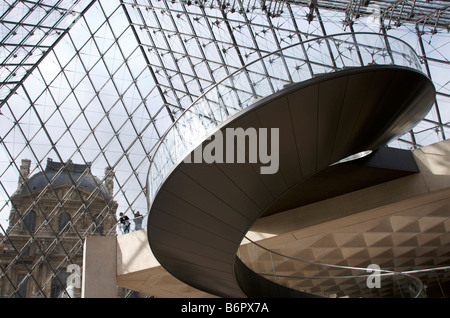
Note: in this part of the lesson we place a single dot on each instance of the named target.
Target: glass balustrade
(329, 280)
(265, 76)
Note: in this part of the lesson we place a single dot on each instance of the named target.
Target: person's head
(121, 213)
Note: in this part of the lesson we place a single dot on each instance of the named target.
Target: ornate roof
(57, 174)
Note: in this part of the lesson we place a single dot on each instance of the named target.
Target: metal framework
(99, 82)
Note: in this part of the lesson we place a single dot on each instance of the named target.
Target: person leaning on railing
(124, 222)
(137, 221)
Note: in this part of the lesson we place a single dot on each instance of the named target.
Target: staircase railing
(329, 280)
(265, 76)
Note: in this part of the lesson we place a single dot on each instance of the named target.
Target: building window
(29, 221)
(21, 292)
(98, 220)
(64, 222)
(26, 250)
(58, 287)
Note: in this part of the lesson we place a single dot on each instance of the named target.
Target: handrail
(202, 96)
(143, 226)
(381, 272)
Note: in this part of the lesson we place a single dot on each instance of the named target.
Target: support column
(99, 267)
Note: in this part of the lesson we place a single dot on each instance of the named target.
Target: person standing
(137, 221)
(125, 223)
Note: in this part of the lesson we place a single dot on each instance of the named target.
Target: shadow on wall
(133, 253)
(435, 159)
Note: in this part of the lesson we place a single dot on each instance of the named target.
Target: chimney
(109, 180)
(24, 171)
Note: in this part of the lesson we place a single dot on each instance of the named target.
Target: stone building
(52, 211)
